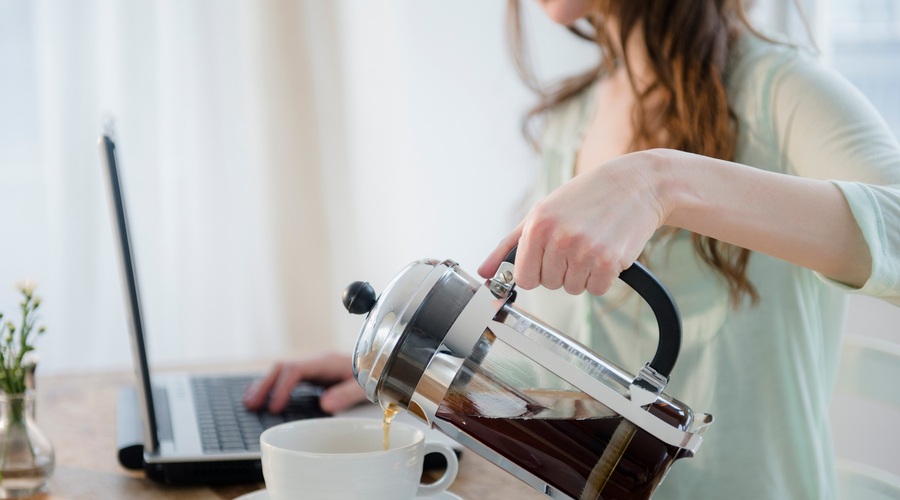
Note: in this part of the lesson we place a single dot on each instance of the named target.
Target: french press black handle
(667, 317)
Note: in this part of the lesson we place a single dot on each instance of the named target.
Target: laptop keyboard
(227, 427)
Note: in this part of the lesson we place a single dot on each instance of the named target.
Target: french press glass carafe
(459, 354)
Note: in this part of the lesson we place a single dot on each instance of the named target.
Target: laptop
(182, 428)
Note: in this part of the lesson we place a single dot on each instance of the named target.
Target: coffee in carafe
(569, 440)
(460, 355)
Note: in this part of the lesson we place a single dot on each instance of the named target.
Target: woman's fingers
(492, 262)
(257, 393)
(576, 279)
(529, 261)
(275, 388)
(342, 396)
(599, 281)
(289, 376)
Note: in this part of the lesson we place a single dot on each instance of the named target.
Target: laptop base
(130, 444)
(207, 473)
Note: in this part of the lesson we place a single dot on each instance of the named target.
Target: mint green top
(766, 372)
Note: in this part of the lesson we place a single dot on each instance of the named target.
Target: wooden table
(78, 414)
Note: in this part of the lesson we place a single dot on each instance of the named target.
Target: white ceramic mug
(344, 458)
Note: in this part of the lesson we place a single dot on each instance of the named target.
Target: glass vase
(26, 455)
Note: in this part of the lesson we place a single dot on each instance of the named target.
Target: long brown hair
(688, 42)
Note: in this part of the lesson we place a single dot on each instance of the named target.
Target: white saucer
(264, 495)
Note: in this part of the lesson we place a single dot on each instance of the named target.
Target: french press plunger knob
(359, 297)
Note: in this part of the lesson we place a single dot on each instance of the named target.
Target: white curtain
(271, 152)
(177, 80)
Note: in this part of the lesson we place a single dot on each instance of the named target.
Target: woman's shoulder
(764, 72)
(756, 63)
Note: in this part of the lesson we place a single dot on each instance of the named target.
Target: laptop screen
(129, 280)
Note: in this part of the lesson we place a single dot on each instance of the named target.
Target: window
(864, 45)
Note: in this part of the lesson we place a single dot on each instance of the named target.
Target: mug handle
(449, 475)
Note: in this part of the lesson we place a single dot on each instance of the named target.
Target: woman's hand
(333, 370)
(584, 234)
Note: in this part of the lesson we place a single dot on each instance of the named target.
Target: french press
(459, 354)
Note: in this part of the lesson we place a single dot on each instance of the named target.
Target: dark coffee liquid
(566, 447)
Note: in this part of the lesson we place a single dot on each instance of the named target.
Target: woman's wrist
(668, 181)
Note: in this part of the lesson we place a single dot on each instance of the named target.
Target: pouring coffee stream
(458, 353)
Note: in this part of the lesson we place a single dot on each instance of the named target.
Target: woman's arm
(803, 221)
(589, 230)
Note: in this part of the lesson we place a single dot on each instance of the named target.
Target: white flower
(27, 286)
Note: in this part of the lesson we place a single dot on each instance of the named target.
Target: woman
(756, 184)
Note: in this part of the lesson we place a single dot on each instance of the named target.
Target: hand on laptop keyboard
(225, 426)
(332, 370)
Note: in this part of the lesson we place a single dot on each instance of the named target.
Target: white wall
(433, 109)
